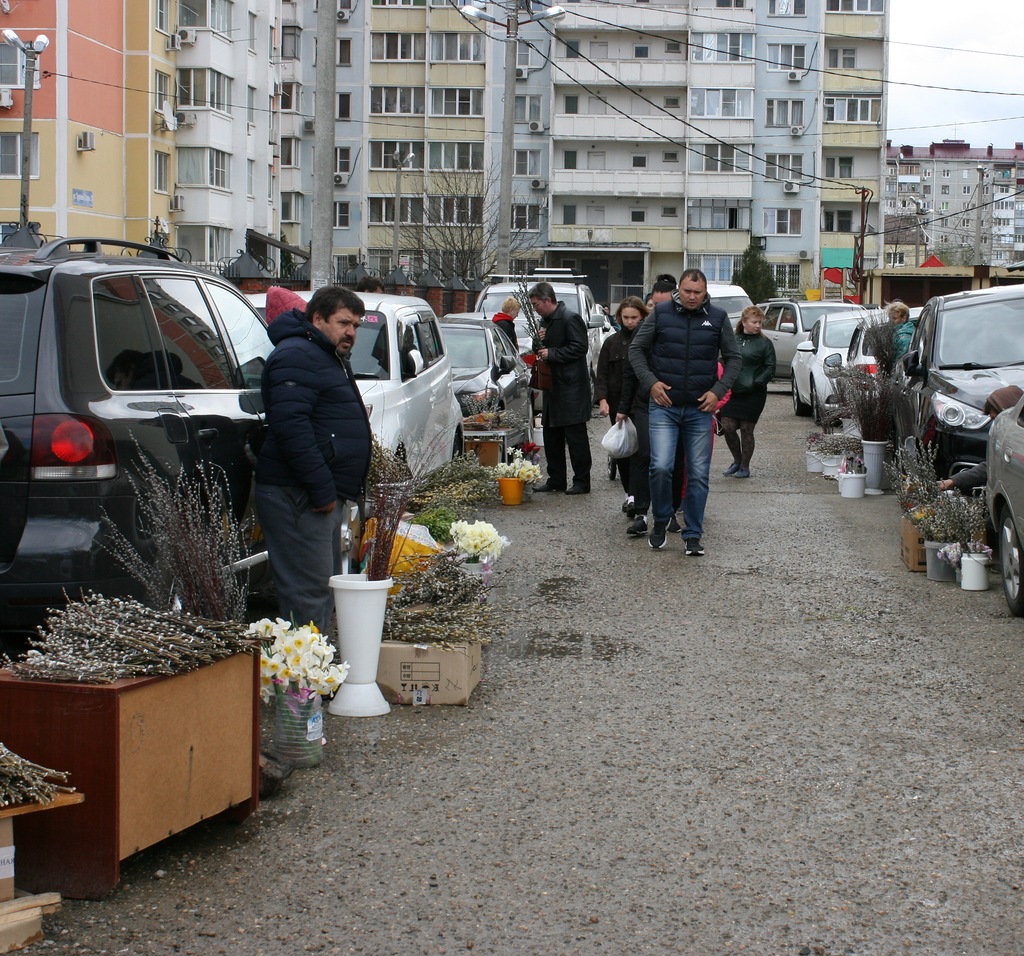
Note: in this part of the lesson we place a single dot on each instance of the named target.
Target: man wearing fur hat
(316, 454)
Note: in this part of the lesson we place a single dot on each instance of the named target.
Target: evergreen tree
(755, 275)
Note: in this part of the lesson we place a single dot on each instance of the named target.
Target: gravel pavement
(792, 745)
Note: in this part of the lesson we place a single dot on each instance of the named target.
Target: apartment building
(955, 201)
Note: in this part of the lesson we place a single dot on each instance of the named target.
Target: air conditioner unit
(188, 35)
(344, 16)
(805, 254)
(520, 74)
(538, 184)
(796, 131)
(6, 98)
(173, 42)
(536, 126)
(308, 126)
(341, 179)
(185, 119)
(794, 75)
(177, 203)
(86, 141)
(791, 188)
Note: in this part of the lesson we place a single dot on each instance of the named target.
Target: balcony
(595, 126)
(850, 134)
(658, 238)
(636, 73)
(617, 182)
(854, 81)
(668, 19)
(850, 25)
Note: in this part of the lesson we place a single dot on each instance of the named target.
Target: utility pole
(978, 258)
(400, 162)
(321, 271)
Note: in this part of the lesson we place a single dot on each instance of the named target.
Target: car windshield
(838, 332)
(467, 348)
(982, 333)
(371, 356)
(733, 304)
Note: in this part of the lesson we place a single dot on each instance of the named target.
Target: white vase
(851, 485)
(813, 462)
(935, 568)
(360, 605)
(874, 460)
(974, 572)
(830, 465)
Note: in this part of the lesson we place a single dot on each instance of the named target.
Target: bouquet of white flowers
(519, 467)
(479, 541)
(296, 660)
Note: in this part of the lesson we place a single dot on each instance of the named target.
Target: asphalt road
(791, 745)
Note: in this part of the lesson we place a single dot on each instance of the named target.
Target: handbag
(540, 375)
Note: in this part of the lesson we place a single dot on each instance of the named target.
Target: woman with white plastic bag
(612, 365)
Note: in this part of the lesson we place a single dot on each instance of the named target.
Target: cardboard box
(912, 546)
(6, 860)
(428, 674)
(487, 450)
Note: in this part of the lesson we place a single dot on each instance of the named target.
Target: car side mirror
(412, 363)
(597, 320)
(505, 364)
(835, 360)
(787, 327)
(912, 365)
(805, 346)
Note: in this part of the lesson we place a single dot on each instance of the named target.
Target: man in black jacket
(317, 451)
(675, 355)
(567, 403)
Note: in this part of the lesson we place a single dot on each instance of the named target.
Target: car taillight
(70, 447)
(871, 368)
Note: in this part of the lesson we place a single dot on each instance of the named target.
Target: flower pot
(511, 490)
(937, 569)
(974, 572)
(527, 491)
(874, 460)
(813, 462)
(360, 605)
(298, 728)
(852, 485)
(830, 465)
(480, 569)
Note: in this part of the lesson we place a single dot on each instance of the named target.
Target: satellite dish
(170, 120)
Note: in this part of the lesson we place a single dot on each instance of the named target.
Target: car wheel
(815, 407)
(799, 407)
(1009, 563)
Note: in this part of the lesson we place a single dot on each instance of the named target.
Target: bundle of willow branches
(98, 640)
(22, 781)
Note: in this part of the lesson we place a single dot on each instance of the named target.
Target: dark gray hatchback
(103, 358)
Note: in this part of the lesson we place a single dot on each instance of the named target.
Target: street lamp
(400, 163)
(31, 51)
(475, 11)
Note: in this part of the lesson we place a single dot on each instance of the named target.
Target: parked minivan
(404, 373)
(106, 358)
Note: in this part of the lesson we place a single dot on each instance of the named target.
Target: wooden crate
(154, 756)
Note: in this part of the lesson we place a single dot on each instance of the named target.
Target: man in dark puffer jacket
(675, 355)
(317, 451)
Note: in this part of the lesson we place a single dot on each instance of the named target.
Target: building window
(569, 159)
(382, 210)
(782, 222)
(250, 177)
(729, 3)
(786, 56)
(721, 47)
(198, 166)
(568, 215)
(527, 162)
(853, 109)
(839, 167)
(341, 215)
(672, 102)
(718, 214)
(458, 157)
(716, 158)
(787, 8)
(670, 157)
(669, 212)
(289, 97)
(161, 171)
(786, 276)
(783, 166)
(397, 100)
(641, 51)
(854, 6)
(252, 32)
(571, 102)
(572, 49)
(344, 51)
(289, 151)
(673, 46)
(839, 220)
(722, 103)
(398, 46)
(451, 101)
(291, 207)
(784, 113)
(161, 90)
(639, 162)
(456, 48)
(344, 106)
(895, 258)
(525, 217)
(162, 19)
(399, 3)
(200, 88)
(455, 210)
(527, 109)
(291, 42)
(637, 215)
(250, 105)
(342, 159)
(842, 59)
(383, 151)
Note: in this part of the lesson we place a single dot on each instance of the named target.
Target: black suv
(103, 358)
(965, 346)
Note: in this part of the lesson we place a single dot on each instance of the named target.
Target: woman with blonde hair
(506, 319)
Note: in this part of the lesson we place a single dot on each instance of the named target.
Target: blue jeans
(668, 426)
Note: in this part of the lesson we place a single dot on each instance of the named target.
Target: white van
(404, 374)
(729, 297)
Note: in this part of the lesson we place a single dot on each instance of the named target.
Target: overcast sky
(959, 45)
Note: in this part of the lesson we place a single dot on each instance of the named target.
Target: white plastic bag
(620, 440)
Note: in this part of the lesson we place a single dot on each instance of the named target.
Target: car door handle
(208, 434)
